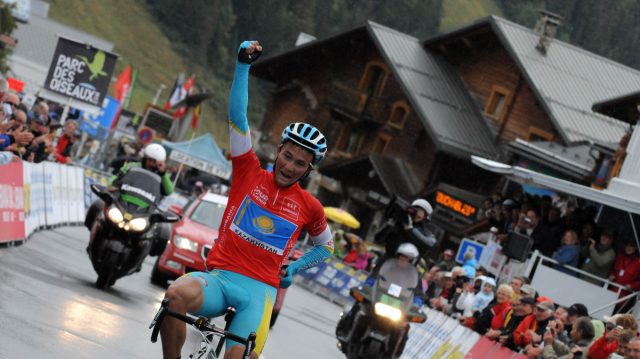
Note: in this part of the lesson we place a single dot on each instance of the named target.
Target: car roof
(215, 198)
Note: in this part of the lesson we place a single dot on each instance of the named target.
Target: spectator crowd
(567, 233)
(34, 134)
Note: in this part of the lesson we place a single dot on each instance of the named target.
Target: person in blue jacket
(569, 252)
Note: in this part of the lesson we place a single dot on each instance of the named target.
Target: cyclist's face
(292, 163)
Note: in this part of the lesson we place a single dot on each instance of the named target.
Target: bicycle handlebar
(201, 323)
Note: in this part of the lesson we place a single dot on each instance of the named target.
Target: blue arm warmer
(239, 98)
(311, 258)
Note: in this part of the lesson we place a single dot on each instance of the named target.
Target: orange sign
(455, 204)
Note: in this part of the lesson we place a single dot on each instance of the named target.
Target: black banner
(80, 71)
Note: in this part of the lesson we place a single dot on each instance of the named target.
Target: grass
(460, 12)
(140, 42)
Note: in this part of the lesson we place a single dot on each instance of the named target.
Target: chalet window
(399, 114)
(497, 103)
(375, 75)
(381, 143)
(349, 141)
(538, 134)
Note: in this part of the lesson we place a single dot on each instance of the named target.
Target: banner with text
(11, 202)
(80, 71)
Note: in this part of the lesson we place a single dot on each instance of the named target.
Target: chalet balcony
(357, 105)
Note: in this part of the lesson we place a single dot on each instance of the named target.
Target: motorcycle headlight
(138, 224)
(387, 311)
(115, 215)
(184, 243)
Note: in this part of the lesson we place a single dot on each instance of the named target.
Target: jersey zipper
(276, 197)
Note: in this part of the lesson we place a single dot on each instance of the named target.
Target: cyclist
(265, 214)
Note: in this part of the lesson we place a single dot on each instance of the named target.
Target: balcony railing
(357, 105)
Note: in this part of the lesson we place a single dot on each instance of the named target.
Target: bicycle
(207, 329)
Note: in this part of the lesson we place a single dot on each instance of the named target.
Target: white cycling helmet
(408, 250)
(307, 136)
(156, 152)
(423, 204)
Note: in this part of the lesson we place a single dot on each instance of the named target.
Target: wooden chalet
(403, 116)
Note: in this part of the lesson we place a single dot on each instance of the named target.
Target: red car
(191, 238)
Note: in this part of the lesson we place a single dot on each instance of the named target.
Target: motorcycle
(123, 232)
(379, 323)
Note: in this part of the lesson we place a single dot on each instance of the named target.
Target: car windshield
(208, 214)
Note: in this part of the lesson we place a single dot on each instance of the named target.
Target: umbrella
(340, 216)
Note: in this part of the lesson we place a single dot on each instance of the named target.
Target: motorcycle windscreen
(140, 188)
(397, 279)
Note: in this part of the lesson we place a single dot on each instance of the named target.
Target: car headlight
(115, 215)
(387, 311)
(138, 224)
(184, 243)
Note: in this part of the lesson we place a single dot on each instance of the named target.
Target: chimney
(304, 38)
(547, 26)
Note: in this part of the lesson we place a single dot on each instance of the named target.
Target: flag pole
(193, 134)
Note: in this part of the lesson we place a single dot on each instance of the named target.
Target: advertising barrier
(332, 279)
(443, 337)
(35, 196)
(11, 202)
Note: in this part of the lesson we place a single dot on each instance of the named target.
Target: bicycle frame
(206, 328)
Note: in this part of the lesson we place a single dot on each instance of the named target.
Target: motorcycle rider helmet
(308, 137)
(409, 250)
(424, 205)
(155, 152)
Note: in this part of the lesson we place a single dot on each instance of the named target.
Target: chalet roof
(433, 87)
(567, 80)
(436, 92)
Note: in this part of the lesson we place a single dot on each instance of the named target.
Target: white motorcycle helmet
(156, 152)
(408, 250)
(424, 205)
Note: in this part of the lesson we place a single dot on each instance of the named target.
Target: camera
(399, 210)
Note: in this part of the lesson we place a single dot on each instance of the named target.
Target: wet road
(50, 308)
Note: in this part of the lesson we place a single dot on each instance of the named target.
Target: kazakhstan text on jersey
(262, 228)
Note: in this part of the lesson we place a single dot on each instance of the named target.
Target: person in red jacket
(608, 343)
(65, 142)
(532, 327)
(626, 271)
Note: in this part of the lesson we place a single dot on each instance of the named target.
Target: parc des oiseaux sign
(80, 71)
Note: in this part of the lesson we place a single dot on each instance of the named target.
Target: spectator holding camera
(529, 225)
(614, 328)
(599, 256)
(582, 334)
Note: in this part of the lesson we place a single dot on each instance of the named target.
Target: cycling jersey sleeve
(240, 136)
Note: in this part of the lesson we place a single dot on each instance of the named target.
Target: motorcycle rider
(409, 227)
(397, 269)
(153, 159)
(266, 212)
(403, 227)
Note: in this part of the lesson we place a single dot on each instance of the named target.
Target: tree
(7, 25)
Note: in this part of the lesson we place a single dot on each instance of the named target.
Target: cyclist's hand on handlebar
(286, 277)
(249, 51)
